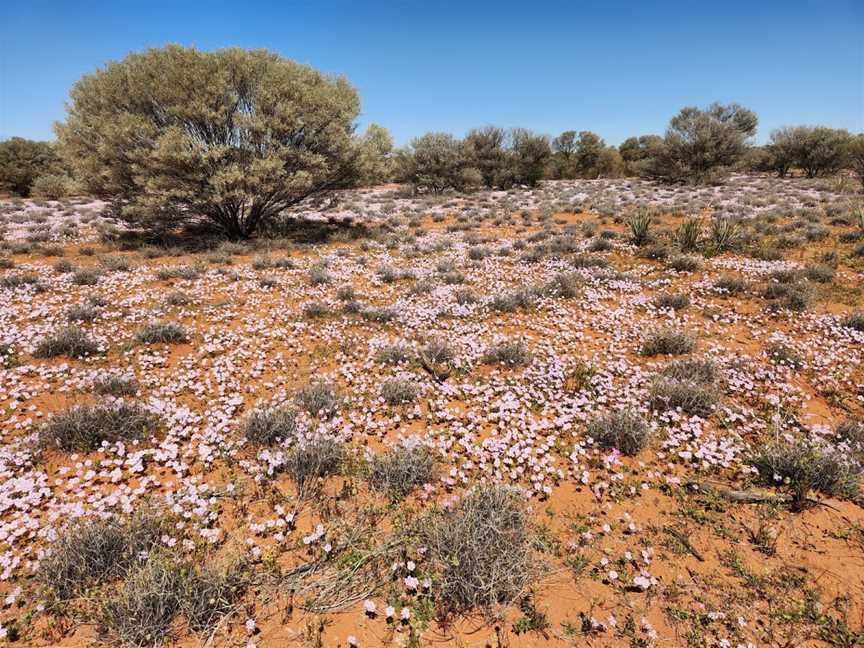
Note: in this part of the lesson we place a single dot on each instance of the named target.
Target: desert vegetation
(499, 390)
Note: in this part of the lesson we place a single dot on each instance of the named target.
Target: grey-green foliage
(817, 150)
(489, 156)
(234, 136)
(22, 161)
(702, 144)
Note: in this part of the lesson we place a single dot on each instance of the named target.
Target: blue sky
(617, 68)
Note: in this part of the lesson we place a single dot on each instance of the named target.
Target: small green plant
(162, 333)
(269, 426)
(401, 469)
(625, 430)
(689, 235)
(512, 353)
(668, 342)
(318, 398)
(802, 467)
(84, 428)
(639, 225)
(69, 341)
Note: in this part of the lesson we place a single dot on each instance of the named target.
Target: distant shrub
(399, 391)
(162, 333)
(269, 426)
(693, 398)
(400, 470)
(792, 296)
(63, 267)
(115, 263)
(702, 145)
(697, 370)
(668, 342)
(85, 277)
(82, 313)
(22, 161)
(730, 285)
(84, 428)
(801, 467)
(394, 354)
(178, 298)
(178, 272)
(684, 263)
(315, 310)
(69, 341)
(481, 551)
(512, 353)
(114, 385)
(674, 301)
(510, 302)
(625, 430)
(318, 398)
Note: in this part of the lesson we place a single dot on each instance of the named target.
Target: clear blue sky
(617, 68)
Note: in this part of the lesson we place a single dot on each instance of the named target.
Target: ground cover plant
(605, 411)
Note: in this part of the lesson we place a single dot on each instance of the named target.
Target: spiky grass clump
(401, 469)
(698, 370)
(211, 593)
(438, 352)
(685, 263)
(511, 353)
(689, 234)
(162, 333)
(513, 301)
(82, 313)
(179, 272)
(92, 552)
(142, 612)
(802, 467)
(668, 342)
(393, 354)
(399, 391)
(673, 301)
(625, 430)
(692, 398)
(269, 426)
(69, 341)
(311, 460)
(113, 385)
(730, 285)
(85, 427)
(318, 398)
(85, 277)
(794, 296)
(481, 552)
(639, 225)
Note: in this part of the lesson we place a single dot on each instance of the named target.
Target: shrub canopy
(700, 145)
(231, 138)
(816, 150)
(22, 161)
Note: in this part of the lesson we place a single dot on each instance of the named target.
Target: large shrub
(435, 162)
(639, 153)
(485, 150)
(231, 138)
(22, 161)
(700, 145)
(816, 150)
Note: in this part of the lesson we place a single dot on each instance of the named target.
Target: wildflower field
(596, 412)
